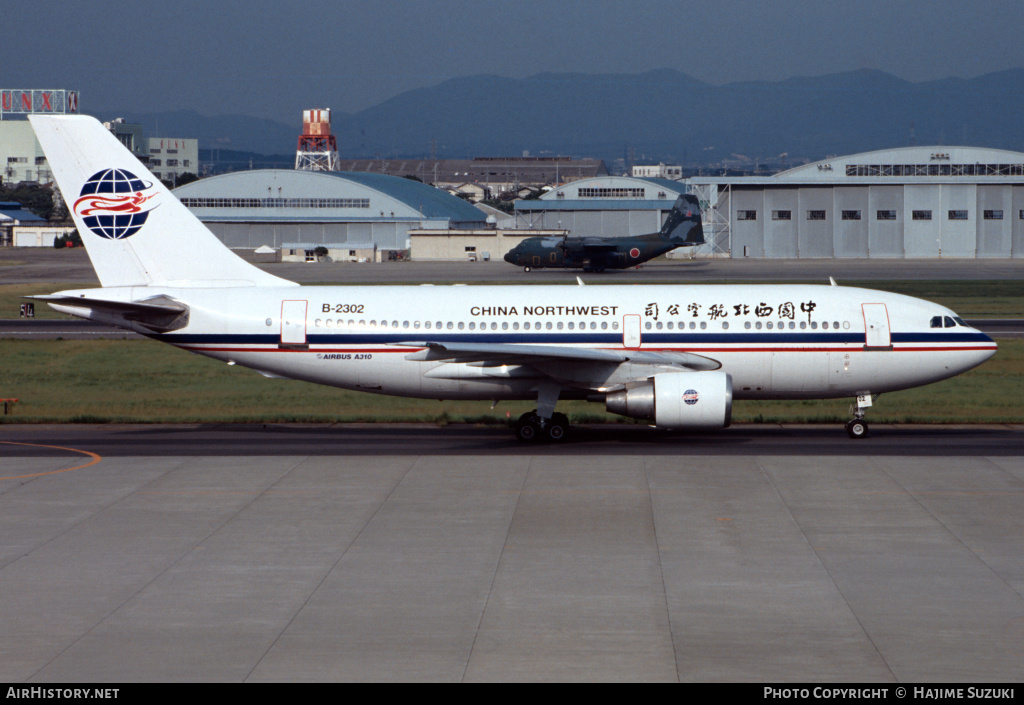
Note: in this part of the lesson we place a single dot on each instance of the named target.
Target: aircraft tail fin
(684, 222)
(135, 231)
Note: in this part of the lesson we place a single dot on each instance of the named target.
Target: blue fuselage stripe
(506, 337)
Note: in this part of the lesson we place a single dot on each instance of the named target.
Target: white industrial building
(170, 158)
(913, 202)
(248, 209)
(470, 245)
(673, 172)
(21, 157)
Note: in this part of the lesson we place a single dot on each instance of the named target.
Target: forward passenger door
(876, 327)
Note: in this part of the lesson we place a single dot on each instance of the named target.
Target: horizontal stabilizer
(159, 313)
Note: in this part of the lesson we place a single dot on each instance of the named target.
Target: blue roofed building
(250, 209)
(20, 227)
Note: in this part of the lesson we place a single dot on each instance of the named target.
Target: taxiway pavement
(350, 553)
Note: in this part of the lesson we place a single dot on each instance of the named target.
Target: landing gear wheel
(557, 427)
(531, 428)
(857, 428)
(526, 430)
(526, 269)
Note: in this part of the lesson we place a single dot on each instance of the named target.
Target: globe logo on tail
(112, 202)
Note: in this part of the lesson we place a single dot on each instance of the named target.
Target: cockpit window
(936, 321)
(949, 322)
(960, 321)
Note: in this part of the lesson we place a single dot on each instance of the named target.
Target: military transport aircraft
(675, 356)
(682, 228)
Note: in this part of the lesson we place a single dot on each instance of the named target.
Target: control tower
(318, 150)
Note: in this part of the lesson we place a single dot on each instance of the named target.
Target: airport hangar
(251, 209)
(914, 202)
(603, 206)
(911, 202)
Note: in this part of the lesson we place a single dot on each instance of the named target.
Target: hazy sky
(274, 58)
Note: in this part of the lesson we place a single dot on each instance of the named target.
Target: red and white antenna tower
(318, 150)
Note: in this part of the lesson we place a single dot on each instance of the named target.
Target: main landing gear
(531, 428)
(857, 427)
(543, 424)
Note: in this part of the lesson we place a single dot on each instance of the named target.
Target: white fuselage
(776, 341)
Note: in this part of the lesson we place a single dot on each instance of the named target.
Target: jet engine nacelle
(680, 400)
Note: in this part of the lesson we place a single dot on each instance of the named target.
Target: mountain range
(661, 115)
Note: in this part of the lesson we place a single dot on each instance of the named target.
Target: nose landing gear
(857, 427)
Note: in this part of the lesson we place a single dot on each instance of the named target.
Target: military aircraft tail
(135, 231)
(684, 222)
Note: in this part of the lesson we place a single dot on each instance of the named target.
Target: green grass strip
(142, 381)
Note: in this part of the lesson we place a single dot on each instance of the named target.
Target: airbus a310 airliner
(675, 356)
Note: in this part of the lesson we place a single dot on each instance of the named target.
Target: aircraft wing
(596, 243)
(498, 354)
